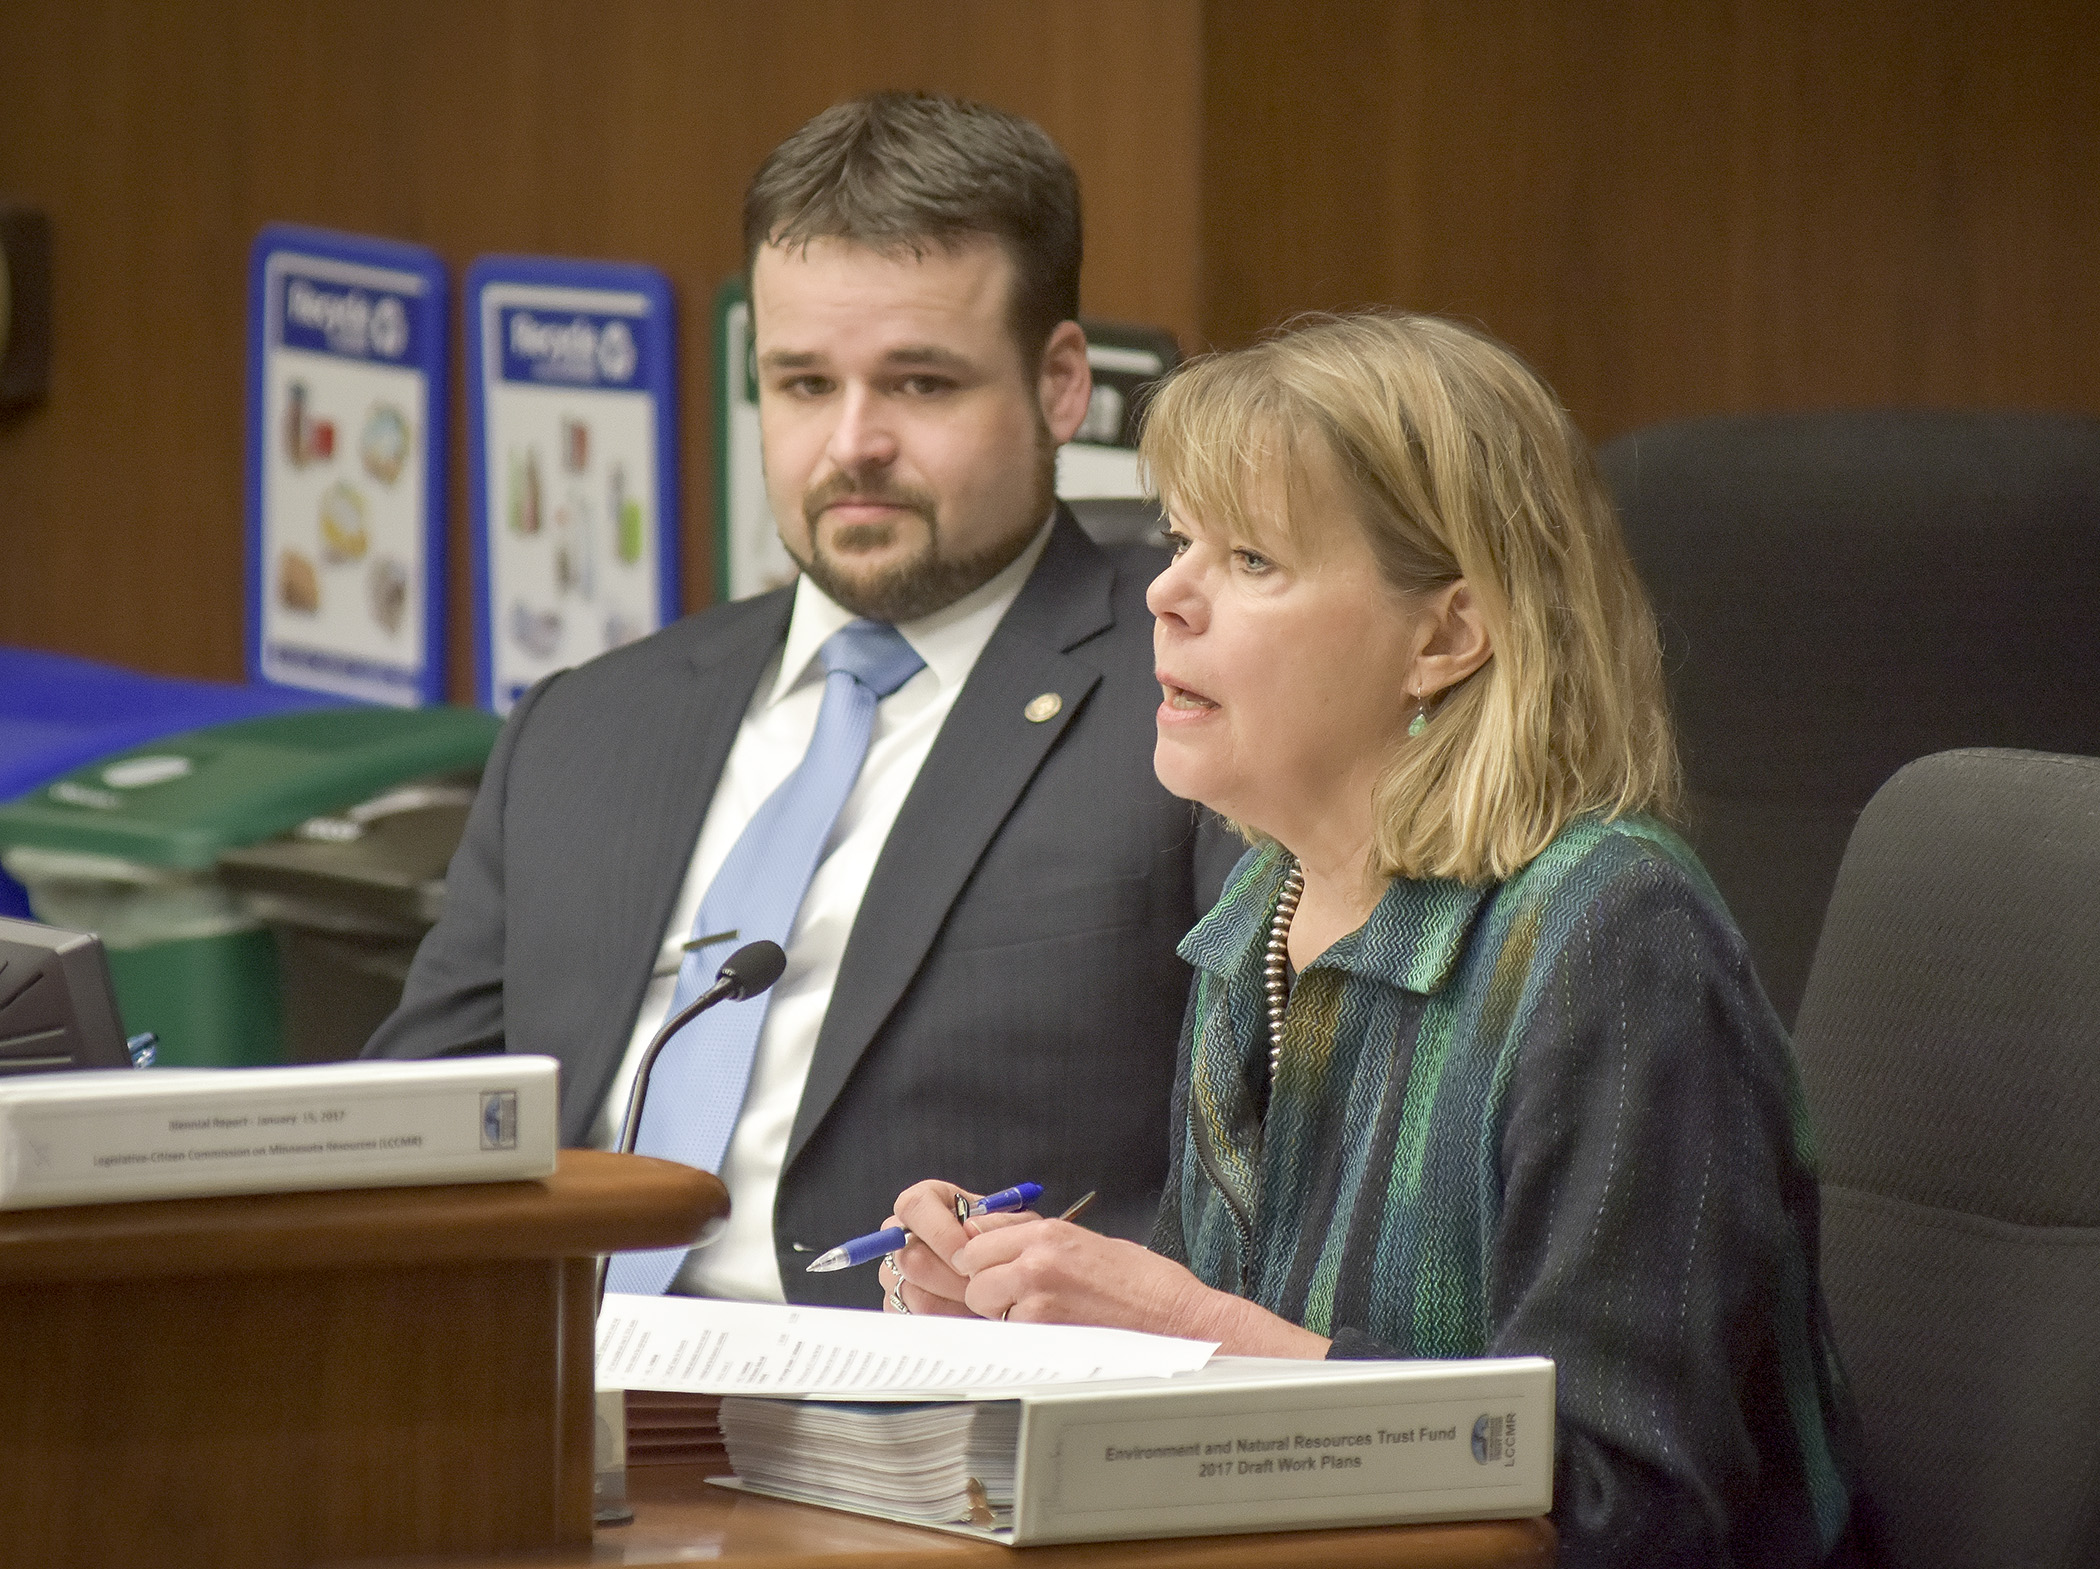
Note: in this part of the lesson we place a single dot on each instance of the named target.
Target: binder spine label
(1489, 1446)
(250, 1133)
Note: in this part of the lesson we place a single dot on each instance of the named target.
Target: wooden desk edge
(678, 1518)
(594, 1203)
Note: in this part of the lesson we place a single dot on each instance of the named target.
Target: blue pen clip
(143, 1048)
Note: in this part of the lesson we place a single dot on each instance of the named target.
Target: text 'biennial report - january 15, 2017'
(89, 1138)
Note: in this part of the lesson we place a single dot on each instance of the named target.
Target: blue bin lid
(57, 712)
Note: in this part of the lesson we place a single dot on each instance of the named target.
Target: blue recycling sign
(572, 463)
(346, 465)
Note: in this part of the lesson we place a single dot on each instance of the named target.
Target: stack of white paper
(759, 1348)
(914, 1461)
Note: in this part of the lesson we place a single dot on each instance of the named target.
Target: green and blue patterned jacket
(1554, 1116)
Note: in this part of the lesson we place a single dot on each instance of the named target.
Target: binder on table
(1028, 1433)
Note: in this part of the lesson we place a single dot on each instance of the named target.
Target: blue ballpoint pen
(865, 1250)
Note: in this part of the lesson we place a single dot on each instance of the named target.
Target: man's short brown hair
(899, 171)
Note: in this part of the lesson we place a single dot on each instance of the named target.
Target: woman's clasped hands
(1028, 1269)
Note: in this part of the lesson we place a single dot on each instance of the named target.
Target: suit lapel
(980, 763)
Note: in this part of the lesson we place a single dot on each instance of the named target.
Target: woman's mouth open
(1179, 700)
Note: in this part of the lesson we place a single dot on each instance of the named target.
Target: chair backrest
(1120, 520)
(1950, 1051)
(1843, 592)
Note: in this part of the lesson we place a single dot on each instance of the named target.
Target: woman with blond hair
(1474, 1062)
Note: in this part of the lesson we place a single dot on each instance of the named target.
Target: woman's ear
(1455, 640)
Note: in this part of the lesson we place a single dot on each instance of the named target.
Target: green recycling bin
(129, 848)
(349, 897)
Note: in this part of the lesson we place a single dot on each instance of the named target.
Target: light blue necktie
(698, 1087)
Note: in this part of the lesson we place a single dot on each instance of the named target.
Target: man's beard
(924, 582)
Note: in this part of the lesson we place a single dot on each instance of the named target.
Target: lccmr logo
(1495, 1439)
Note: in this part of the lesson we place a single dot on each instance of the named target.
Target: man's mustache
(842, 487)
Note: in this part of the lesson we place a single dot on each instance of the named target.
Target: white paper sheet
(700, 1346)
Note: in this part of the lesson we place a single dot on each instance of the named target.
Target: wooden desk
(679, 1519)
(262, 1381)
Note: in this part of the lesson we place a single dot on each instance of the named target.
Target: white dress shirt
(775, 733)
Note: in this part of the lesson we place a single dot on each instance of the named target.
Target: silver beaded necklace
(1276, 969)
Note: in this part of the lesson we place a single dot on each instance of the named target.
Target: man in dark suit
(981, 973)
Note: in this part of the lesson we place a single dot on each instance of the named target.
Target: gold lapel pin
(1042, 708)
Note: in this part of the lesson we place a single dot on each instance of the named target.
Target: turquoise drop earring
(1420, 722)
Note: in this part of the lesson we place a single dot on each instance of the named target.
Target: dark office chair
(1120, 520)
(1844, 592)
(1950, 1050)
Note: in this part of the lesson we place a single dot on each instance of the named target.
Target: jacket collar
(1414, 937)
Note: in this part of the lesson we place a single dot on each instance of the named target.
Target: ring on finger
(889, 1262)
(897, 1296)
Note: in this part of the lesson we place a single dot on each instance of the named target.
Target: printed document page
(701, 1346)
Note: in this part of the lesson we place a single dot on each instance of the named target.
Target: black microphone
(745, 973)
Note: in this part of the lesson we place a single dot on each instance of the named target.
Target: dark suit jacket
(1009, 999)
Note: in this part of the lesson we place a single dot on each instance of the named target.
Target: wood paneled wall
(1676, 207)
(1672, 206)
(160, 134)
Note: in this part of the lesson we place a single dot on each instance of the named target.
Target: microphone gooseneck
(745, 973)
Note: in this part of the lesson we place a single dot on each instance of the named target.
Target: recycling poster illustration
(573, 467)
(346, 465)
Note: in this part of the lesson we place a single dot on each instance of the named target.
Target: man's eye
(805, 386)
(925, 386)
